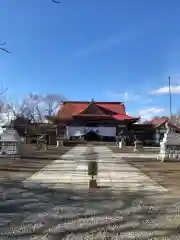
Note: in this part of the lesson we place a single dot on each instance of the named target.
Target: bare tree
(36, 107)
(30, 114)
(175, 118)
(178, 118)
(3, 113)
(3, 90)
(52, 103)
(26, 108)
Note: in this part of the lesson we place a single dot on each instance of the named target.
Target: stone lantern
(10, 143)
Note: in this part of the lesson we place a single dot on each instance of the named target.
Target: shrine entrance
(92, 136)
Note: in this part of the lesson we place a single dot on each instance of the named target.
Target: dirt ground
(15, 169)
(166, 174)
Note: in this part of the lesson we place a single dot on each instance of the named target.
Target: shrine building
(92, 120)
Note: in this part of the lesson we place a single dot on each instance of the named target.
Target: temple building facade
(92, 120)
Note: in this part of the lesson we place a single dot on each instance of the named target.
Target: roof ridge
(98, 102)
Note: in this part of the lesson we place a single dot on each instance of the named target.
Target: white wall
(107, 131)
(79, 130)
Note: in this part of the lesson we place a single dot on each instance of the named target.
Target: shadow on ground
(130, 149)
(27, 212)
(41, 212)
(32, 159)
(166, 174)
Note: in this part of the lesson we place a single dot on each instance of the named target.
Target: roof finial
(92, 99)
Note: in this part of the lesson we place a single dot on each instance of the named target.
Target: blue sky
(118, 50)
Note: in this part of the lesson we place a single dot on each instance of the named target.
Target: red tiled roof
(114, 107)
(94, 115)
(158, 121)
(68, 109)
(123, 117)
(72, 108)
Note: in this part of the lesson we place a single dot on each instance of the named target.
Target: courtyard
(52, 200)
(167, 174)
(89, 120)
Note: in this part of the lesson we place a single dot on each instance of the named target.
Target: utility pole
(170, 99)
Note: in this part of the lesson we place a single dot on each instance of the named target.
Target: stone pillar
(121, 144)
(57, 143)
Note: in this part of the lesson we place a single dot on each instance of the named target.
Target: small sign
(92, 168)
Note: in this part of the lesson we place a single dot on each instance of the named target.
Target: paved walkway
(71, 171)
(121, 175)
(133, 207)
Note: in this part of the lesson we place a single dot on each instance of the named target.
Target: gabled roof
(93, 108)
(114, 110)
(76, 107)
(159, 121)
(123, 117)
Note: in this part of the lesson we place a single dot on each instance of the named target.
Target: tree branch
(39, 114)
(2, 91)
(55, 1)
(4, 43)
(3, 48)
(10, 106)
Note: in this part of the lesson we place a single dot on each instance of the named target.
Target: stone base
(93, 183)
(169, 153)
(121, 144)
(138, 149)
(138, 146)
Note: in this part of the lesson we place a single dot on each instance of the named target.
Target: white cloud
(106, 43)
(149, 100)
(124, 96)
(165, 90)
(149, 113)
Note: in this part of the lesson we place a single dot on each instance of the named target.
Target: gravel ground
(167, 174)
(43, 213)
(129, 149)
(32, 160)
(27, 213)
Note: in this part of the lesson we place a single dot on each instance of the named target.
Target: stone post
(138, 146)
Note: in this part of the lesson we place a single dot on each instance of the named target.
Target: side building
(152, 132)
(92, 120)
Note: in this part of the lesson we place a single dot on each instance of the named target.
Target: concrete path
(121, 175)
(133, 207)
(71, 171)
